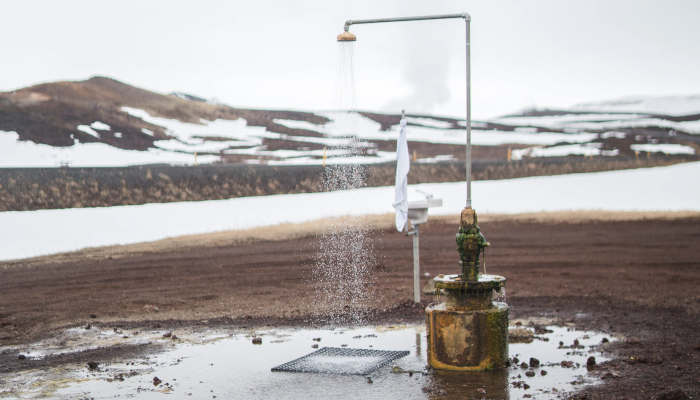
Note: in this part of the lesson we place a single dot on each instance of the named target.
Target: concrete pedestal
(467, 340)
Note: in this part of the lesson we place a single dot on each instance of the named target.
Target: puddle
(226, 364)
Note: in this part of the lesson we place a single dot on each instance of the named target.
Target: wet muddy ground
(237, 363)
(635, 279)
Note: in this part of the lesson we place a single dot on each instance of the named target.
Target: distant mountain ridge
(48, 113)
(104, 122)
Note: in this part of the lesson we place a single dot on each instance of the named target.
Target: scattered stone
(343, 345)
(516, 360)
(369, 380)
(93, 316)
(156, 381)
(357, 337)
(676, 394)
(561, 344)
(578, 381)
(257, 340)
(534, 363)
(526, 386)
(543, 372)
(167, 334)
(316, 339)
(88, 326)
(530, 373)
(315, 345)
(576, 344)
(174, 337)
(151, 308)
(567, 364)
(605, 340)
(92, 365)
(21, 357)
(524, 365)
(590, 363)
(541, 330)
(520, 335)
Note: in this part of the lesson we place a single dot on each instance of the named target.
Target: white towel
(403, 165)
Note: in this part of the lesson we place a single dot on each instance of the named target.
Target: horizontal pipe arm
(349, 22)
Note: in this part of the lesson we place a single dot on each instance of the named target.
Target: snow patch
(33, 233)
(430, 122)
(296, 124)
(20, 153)
(100, 126)
(613, 134)
(88, 130)
(665, 148)
(586, 149)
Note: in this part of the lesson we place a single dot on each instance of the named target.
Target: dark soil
(633, 278)
(47, 188)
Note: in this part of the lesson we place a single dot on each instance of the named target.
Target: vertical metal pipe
(416, 266)
(468, 161)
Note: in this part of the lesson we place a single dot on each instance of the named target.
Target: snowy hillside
(662, 105)
(102, 122)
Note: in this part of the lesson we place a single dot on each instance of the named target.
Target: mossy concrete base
(467, 340)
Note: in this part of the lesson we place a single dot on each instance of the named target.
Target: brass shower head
(346, 37)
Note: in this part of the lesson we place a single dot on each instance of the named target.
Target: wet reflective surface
(226, 364)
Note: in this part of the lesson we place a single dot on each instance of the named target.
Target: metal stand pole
(416, 266)
(468, 161)
(467, 19)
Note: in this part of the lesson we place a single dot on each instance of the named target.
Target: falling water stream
(342, 272)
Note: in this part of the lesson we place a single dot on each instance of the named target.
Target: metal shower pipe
(467, 19)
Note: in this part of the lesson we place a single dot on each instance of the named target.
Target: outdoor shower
(467, 330)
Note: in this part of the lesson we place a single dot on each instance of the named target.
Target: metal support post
(416, 266)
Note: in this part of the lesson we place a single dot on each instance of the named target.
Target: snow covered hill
(103, 122)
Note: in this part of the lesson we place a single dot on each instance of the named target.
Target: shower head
(346, 37)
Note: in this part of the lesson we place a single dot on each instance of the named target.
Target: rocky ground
(634, 275)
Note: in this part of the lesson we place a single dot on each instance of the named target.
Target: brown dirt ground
(631, 274)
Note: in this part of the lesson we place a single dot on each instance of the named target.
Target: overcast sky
(284, 54)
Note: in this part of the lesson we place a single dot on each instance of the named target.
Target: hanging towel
(403, 165)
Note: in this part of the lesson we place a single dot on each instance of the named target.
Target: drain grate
(343, 361)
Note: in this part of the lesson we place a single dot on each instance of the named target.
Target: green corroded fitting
(470, 243)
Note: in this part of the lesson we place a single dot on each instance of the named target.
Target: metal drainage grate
(343, 361)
